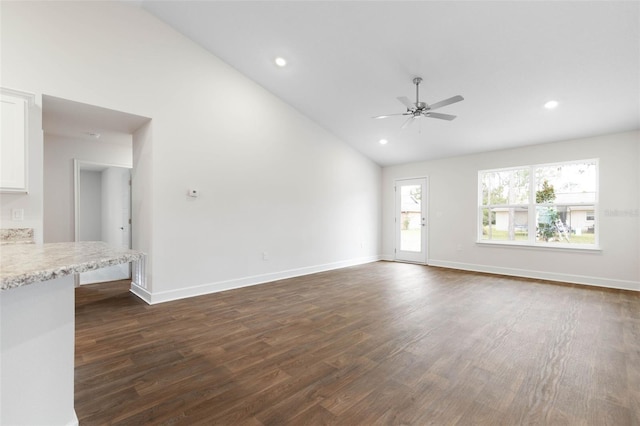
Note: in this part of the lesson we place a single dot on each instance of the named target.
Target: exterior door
(411, 220)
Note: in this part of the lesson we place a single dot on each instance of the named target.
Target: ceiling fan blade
(439, 115)
(408, 122)
(389, 115)
(406, 102)
(446, 102)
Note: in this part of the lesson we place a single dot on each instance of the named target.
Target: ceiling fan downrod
(419, 105)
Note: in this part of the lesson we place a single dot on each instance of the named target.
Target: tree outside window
(548, 204)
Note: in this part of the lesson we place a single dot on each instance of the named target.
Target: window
(545, 204)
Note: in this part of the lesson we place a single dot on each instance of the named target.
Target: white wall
(453, 209)
(142, 199)
(271, 181)
(59, 153)
(90, 206)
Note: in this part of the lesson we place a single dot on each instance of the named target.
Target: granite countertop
(22, 264)
(16, 236)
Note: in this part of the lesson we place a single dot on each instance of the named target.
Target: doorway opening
(92, 147)
(102, 201)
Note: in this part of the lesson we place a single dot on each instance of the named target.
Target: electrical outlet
(17, 214)
(265, 255)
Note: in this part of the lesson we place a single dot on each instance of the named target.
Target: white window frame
(531, 209)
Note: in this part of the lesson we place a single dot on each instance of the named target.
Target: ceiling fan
(421, 109)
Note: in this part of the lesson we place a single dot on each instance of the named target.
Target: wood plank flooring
(379, 344)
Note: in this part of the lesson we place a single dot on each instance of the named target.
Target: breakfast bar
(37, 325)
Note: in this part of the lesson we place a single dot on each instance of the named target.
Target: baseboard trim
(74, 421)
(153, 298)
(542, 275)
(142, 293)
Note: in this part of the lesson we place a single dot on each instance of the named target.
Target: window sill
(541, 246)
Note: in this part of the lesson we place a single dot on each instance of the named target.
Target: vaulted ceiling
(349, 61)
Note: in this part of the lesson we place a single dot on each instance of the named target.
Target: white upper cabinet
(14, 134)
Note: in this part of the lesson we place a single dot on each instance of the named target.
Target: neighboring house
(410, 213)
(502, 219)
(580, 219)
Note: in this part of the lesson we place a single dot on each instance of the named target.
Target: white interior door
(411, 220)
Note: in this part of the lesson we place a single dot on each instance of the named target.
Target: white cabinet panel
(14, 139)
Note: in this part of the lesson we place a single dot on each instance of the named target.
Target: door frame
(77, 167)
(423, 256)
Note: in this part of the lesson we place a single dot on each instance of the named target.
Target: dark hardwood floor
(383, 343)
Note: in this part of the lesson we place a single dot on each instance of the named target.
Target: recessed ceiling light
(551, 104)
(281, 62)
(383, 141)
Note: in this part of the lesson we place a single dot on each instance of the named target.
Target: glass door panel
(411, 229)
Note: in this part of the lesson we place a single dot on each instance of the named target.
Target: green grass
(583, 239)
(411, 238)
(522, 236)
(504, 235)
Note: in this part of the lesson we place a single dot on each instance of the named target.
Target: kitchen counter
(22, 264)
(16, 236)
(37, 325)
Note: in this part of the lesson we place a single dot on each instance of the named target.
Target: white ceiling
(348, 61)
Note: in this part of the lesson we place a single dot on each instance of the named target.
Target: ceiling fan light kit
(419, 109)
